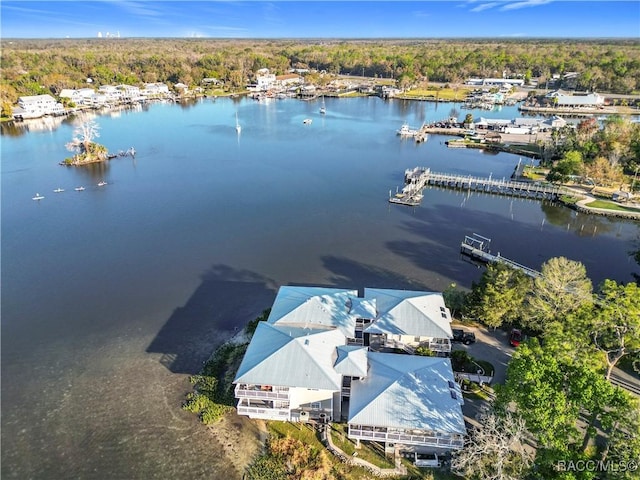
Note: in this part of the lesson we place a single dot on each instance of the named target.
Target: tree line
(32, 67)
(557, 409)
(602, 154)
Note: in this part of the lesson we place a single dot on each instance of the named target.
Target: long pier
(418, 178)
(494, 186)
(477, 248)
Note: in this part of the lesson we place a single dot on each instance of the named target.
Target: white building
(155, 89)
(35, 106)
(80, 96)
(311, 359)
(561, 99)
(408, 319)
(264, 80)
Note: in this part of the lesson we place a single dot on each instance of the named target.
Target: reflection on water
(580, 223)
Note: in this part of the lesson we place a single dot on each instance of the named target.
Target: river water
(113, 295)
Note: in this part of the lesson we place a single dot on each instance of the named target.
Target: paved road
(491, 346)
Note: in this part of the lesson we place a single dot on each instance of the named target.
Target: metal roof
(406, 312)
(407, 392)
(292, 357)
(351, 361)
(314, 307)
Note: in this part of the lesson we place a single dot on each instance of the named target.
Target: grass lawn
(569, 199)
(440, 93)
(605, 204)
(369, 451)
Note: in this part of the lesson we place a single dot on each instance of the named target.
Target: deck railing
(450, 442)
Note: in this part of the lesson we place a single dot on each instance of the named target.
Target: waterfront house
(409, 319)
(80, 96)
(155, 90)
(110, 93)
(408, 400)
(264, 80)
(35, 106)
(312, 360)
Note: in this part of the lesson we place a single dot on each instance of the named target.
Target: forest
(31, 67)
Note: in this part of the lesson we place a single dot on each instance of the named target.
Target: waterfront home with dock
(322, 355)
(36, 106)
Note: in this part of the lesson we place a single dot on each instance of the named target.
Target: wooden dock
(477, 248)
(494, 186)
(418, 178)
(414, 182)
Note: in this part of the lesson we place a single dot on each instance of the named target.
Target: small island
(86, 150)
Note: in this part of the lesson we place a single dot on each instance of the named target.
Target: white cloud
(524, 4)
(480, 5)
(485, 6)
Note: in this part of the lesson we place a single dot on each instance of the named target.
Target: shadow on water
(352, 274)
(528, 244)
(223, 304)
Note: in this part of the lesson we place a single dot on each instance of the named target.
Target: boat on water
(58, 190)
(307, 121)
(37, 197)
(323, 109)
(102, 183)
(79, 189)
(238, 127)
(405, 131)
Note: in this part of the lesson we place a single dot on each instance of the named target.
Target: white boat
(102, 183)
(323, 109)
(58, 190)
(405, 131)
(238, 127)
(307, 121)
(37, 197)
(79, 189)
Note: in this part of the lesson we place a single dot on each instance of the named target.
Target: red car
(516, 337)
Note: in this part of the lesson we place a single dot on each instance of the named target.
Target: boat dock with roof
(477, 247)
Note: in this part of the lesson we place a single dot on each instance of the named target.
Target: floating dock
(414, 182)
(477, 247)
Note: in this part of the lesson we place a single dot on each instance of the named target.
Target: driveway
(491, 346)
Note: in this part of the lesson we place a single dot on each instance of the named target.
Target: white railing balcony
(243, 392)
(445, 441)
(440, 346)
(264, 413)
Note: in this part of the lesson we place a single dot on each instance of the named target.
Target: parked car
(516, 337)
(459, 335)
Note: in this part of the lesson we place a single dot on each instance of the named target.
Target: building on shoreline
(36, 106)
(323, 355)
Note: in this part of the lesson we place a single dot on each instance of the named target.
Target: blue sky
(327, 19)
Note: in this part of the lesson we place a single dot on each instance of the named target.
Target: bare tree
(83, 136)
(496, 450)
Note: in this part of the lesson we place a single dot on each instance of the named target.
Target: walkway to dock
(477, 248)
(420, 177)
(494, 186)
